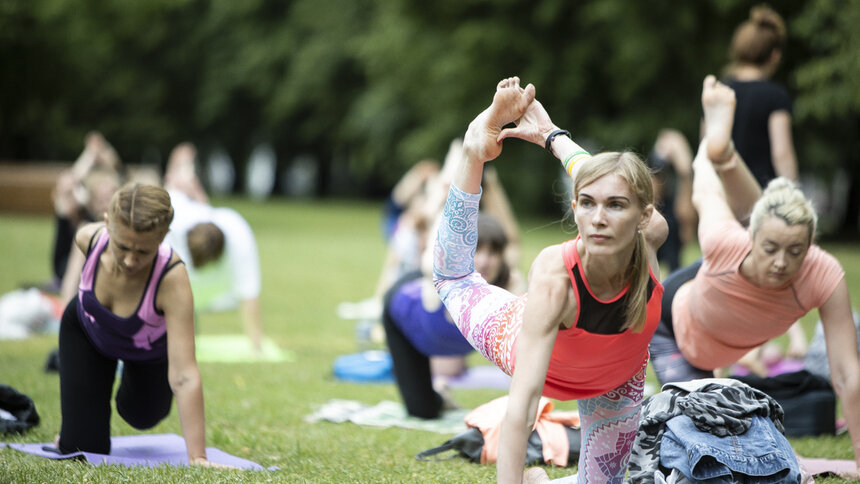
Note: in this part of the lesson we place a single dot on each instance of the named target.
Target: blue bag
(371, 366)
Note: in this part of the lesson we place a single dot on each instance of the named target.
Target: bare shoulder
(176, 273)
(85, 234)
(547, 263)
(550, 288)
(548, 271)
(175, 286)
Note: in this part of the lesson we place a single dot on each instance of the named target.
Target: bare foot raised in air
(180, 165)
(718, 103)
(509, 104)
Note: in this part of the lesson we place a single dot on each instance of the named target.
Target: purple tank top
(140, 337)
(430, 333)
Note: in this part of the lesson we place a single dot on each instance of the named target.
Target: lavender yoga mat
(483, 376)
(148, 450)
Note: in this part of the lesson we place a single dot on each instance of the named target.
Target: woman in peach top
(751, 284)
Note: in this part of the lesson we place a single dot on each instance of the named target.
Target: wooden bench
(25, 187)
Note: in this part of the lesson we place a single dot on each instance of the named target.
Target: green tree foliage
(828, 101)
(828, 80)
(369, 88)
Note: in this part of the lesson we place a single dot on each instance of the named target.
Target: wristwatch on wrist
(552, 136)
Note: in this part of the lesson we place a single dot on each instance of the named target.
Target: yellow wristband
(573, 159)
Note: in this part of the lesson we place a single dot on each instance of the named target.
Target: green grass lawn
(314, 256)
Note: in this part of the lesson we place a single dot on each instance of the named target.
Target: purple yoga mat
(784, 365)
(483, 376)
(148, 450)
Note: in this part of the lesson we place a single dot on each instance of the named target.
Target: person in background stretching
(417, 326)
(133, 304)
(582, 330)
(81, 195)
(762, 124)
(219, 244)
(752, 284)
(670, 161)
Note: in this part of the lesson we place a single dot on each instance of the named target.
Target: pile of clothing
(712, 430)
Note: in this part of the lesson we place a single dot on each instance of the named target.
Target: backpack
(17, 411)
(470, 445)
(480, 443)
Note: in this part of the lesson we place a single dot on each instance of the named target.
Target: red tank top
(585, 364)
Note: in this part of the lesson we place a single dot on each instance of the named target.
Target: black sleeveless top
(599, 317)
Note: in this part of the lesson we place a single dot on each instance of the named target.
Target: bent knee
(143, 420)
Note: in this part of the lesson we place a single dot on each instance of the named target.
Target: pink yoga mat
(148, 450)
(824, 466)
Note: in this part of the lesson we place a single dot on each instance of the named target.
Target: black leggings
(411, 368)
(86, 384)
(666, 358)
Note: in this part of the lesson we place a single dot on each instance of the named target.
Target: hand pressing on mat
(204, 462)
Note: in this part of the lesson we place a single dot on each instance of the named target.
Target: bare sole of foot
(509, 103)
(718, 103)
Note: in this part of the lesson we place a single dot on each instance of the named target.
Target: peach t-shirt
(724, 315)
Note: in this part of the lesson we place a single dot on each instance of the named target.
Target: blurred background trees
(364, 89)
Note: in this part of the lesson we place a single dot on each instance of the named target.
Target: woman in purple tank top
(133, 293)
(418, 328)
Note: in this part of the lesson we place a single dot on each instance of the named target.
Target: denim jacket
(761, 454)
(718, 406)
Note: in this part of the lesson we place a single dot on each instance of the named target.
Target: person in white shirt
(217, 245)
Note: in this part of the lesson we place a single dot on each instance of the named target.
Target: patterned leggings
(490, 318)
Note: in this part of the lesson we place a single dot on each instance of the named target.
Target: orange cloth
(724, 315)
(549, 424)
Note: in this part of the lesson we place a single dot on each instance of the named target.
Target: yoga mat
(571, 479)
(148, 450)
(484, 376)
(784, 365)
(237, 348)
(370, 308)
(386, 414)
(825, 466)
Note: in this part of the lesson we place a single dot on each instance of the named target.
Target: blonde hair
(755, 40)
(142, 208)
(633, 170)
(783, 199)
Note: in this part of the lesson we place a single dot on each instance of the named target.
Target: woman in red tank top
(535, 337)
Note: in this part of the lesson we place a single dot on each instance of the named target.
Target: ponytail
(637, 294)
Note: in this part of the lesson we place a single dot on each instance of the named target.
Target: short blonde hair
(783, 199)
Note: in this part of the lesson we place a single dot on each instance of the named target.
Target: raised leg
(742, 190)
(488, 316)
